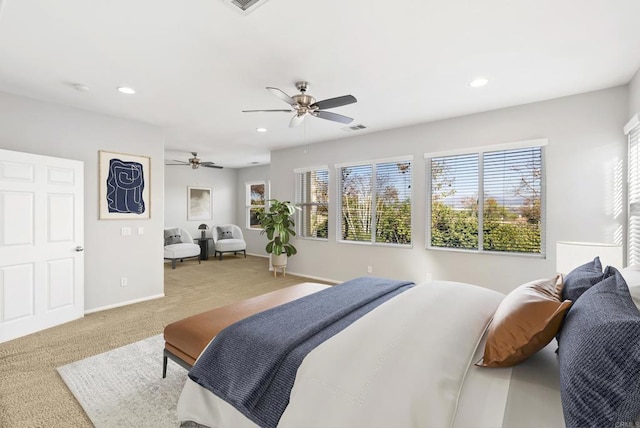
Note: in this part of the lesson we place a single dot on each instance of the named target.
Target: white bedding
(408, 363)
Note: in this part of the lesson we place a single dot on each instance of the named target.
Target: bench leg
(173, 263)
(245, 253)
(167, 354)
(164, 366)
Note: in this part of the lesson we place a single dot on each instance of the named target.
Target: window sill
(489, 253)
(376, 244)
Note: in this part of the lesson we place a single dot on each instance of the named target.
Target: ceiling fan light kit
(303, 104)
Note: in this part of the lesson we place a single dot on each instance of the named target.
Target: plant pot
(279, 260)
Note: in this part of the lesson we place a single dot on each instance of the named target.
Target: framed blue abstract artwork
(124, 186)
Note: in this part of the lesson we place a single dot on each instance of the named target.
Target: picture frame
(199, 203)
(124, 186)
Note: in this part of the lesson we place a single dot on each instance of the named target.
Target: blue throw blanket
(252, 364)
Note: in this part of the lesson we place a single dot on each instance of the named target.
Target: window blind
(512, 189)
(355, 221)
(376, 202)
(393, 202)
(488, 201)
(454, 201)
(312, 196)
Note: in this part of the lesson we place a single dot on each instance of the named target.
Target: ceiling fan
(303, 105)
(195, 162)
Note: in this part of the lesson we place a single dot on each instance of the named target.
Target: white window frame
(338, 187)
(248, 205)
(632, 131)
(541, 142)
(300, 213)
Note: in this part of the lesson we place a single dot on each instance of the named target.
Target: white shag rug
(124, 387)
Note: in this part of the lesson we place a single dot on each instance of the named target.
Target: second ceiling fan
(303, 105)
(195, 162)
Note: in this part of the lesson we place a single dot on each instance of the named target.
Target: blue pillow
(600, 357)
(581, 279)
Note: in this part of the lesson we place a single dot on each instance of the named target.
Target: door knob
(79, 248)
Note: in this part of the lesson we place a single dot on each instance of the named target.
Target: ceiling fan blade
(332, 116)
(180, 162)
(177, 164)
(296, 120)
(210, 165)
(334, 102)
(260, 111)
(283, 96)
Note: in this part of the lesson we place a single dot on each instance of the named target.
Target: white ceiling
(196, 64)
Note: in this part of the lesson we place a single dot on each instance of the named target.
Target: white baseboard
(129, 302)
(258, 255)
(317, 278)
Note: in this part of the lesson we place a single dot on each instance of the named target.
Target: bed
(416, 361)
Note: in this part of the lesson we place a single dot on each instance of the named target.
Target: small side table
(204, 247)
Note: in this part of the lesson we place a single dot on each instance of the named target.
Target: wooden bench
(185, 340)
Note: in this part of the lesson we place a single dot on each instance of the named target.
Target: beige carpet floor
(32, 394)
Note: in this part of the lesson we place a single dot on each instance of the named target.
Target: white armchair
(179, 245)
(227, 238)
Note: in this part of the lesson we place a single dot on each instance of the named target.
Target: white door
(41, 238)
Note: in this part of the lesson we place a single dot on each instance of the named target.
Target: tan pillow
(525, 322)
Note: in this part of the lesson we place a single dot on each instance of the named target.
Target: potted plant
(278, 224)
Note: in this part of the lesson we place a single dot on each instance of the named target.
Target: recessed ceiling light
(126, 90)
(261, 129)
(478, 82)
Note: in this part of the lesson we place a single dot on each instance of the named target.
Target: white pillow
(631, 276)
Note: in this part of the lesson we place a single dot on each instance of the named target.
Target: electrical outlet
(428, 277)
(125, 231)
(140, 230)
(123, 281)
(369, 269)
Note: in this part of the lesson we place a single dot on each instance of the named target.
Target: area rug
(124, 387)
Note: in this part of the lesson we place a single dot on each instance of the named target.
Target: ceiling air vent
(245, 6)
(358, 127)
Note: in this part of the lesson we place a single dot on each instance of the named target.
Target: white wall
(255, 241)
(49, 129)
(585, 154)
(222, 183)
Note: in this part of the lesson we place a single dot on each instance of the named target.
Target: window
(312, 196)
(488, 201)
(376, 202)
(255, 203)
(633, 132)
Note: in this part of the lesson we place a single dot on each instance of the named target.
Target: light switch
(125, 231)
(140, 230)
